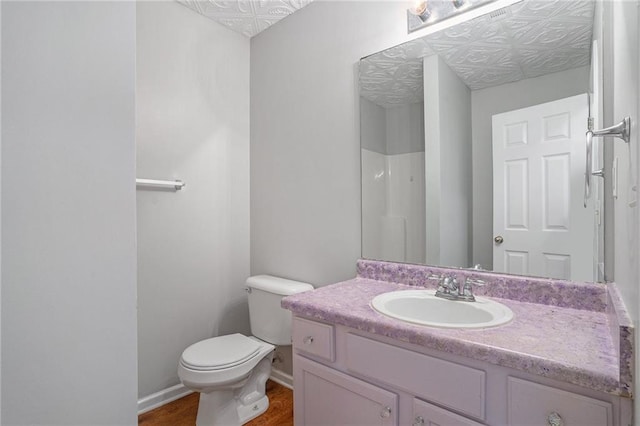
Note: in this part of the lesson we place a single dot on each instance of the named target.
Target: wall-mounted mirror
(473, 144)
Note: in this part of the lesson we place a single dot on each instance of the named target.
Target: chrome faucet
(450, 289)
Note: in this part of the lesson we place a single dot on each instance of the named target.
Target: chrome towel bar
(154, 183)
(621, 130)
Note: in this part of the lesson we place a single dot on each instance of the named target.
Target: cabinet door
(327, 397)
(429, 415)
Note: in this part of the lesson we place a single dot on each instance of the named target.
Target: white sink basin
(422, 307)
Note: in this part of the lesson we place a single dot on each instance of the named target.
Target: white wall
(393, 206)
(494, 100)
(193, 245)
(68, 220)
(374, 202)
(405, 199)
(305, 148)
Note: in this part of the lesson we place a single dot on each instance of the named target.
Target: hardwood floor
(182, 412)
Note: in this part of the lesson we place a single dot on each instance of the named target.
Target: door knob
(498, 239)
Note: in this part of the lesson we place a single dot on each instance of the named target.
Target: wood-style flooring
(182, 412)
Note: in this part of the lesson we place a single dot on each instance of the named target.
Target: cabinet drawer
(533, 404)
(314, 338)
(448, 384)
(428, 414)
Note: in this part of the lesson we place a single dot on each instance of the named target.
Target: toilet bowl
(231, 371)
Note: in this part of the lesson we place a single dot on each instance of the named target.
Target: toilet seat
(219, 353)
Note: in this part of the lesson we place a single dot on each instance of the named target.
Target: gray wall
(447, 164)
(373, 126)
(393, 130)
(625, 85)
(68, 220)
(494, 100)
(192, 110)
(405, 129)
(455, 157)
(432, 164)
(305, 148)
(0, 216)
(622, 55)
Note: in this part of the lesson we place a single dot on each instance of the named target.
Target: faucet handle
(467, 290)
(474, 281)
(447, 285)
(442, 289)
(450, 283)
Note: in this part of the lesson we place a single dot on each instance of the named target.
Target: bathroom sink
(422, 307)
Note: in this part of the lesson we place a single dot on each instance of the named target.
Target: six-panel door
(540, 225)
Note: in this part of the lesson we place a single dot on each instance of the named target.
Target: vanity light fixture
(425, 13)
(421, 10)
(458, 3)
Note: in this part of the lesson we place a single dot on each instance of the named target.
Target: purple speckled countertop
(581, 340)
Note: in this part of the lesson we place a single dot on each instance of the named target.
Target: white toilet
(230, 372)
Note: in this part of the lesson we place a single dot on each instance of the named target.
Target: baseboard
(282, 378)
(168, 395)
(161, 398)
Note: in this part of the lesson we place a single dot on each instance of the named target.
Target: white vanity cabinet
(345, 376)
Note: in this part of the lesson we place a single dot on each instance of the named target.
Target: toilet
(231, 371)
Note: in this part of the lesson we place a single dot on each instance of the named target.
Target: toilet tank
(269, 321)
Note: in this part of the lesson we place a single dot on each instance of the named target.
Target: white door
(540, 225)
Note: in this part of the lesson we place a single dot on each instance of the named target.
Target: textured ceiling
(247, 17)
(533, 38)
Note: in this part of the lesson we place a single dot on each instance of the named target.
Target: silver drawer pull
(386, 412)
(307, 340)
(554, 419)
(418, 421)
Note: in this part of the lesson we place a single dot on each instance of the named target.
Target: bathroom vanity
(564, 359)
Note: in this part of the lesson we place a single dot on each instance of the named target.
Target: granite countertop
(577, 345)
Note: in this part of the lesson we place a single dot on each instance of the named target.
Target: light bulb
(421, 10)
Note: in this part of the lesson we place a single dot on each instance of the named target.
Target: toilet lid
(220, 352)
